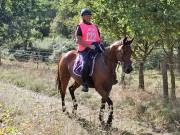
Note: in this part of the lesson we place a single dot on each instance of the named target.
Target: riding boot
(85, 76)
(85, 87)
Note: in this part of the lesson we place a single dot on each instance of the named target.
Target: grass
(39, 80)
(159, 115)
(7, 121)
(131, 105)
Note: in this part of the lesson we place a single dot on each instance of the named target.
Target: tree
(141, 52)
(23, 21)
(165, 15)
(145, 34)
(0, 58)
(178, 59)
(165, 80)
(67, 17)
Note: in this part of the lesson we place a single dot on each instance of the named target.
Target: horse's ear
(124, 40)
(128, 41)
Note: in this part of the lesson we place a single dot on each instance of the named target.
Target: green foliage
(58, 42)
(67, 17)
(154, 59)
(60, 45)
(143, 20)
(48, 49)
(24, 20)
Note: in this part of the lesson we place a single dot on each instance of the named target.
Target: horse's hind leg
(101, 113)
(110, 117)
(72, 88)
(63, 81)
(63, 92)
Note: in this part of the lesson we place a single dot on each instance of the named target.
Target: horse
(105, 66)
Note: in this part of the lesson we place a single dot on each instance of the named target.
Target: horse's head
(122, 52)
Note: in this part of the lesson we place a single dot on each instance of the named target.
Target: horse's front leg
(101, 113)
(72, 88)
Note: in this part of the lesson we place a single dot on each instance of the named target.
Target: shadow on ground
(94, 129)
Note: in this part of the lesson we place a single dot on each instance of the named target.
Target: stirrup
(85, 88)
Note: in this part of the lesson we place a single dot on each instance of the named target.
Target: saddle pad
(78, 64)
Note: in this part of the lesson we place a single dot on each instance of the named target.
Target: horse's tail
(58, 79)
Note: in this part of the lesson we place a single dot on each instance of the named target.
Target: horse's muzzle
(128, 69)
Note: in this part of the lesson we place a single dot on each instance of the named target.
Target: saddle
(88, 55)
(79, 62)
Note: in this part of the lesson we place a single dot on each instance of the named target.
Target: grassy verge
(40, 80)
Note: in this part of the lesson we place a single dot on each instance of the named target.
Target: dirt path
(36, 114)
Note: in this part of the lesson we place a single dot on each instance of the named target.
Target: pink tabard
(89, 35)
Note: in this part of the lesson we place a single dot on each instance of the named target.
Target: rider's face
(87, 18)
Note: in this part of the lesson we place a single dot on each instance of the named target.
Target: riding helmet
(85, 11)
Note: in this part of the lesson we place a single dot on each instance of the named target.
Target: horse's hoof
(64, 109)
(74, 112)
(107, 127)
(102, 123)
(68, 114)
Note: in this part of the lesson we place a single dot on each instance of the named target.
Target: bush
(62, 45)
(11, 57)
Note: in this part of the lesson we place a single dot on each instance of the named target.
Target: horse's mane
(109, 51)
(116, 43)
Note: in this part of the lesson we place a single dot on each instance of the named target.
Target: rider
(87, 37)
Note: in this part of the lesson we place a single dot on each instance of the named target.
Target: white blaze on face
(120, 47)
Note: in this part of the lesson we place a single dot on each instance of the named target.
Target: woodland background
(39, 31)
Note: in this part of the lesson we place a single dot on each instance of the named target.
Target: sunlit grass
(38, 80)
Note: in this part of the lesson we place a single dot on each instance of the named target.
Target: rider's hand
(92, 47)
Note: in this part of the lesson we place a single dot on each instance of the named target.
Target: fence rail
(39, 55)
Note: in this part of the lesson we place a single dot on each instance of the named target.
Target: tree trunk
(173, 85)
(178, 59)
(141, 75)
(0, 58)
(165, 80)
(159, 65)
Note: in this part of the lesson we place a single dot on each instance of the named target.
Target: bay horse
(105, 66)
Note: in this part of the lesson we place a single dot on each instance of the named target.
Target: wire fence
(36, 56)
(53, 56)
